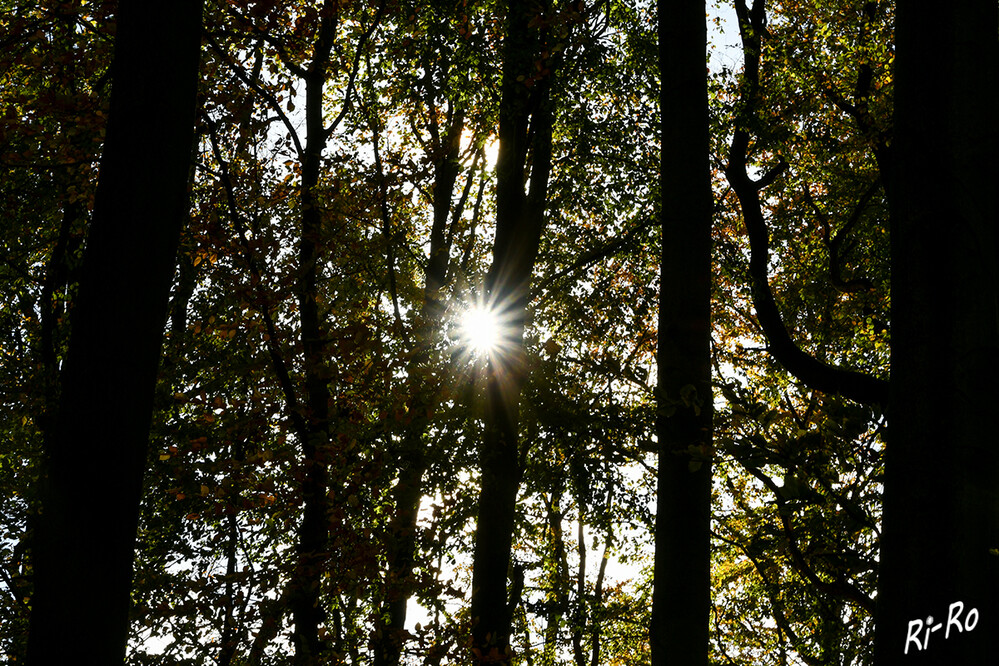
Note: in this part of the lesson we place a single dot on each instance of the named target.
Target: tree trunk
(96, 449)
(937, 601)
(525, 129)
(313, 532)
(401, 547)
(682, 583)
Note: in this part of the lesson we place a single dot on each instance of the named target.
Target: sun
(481, 328)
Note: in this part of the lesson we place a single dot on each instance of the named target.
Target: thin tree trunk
(313, 533)
(558, 598)
(682, 584)
(52, 308)
(231, 632)
(598, 600)
(809, 370)
(408, 491)
(940, 541)
(311, 419)
(579, 621)
(96, 448)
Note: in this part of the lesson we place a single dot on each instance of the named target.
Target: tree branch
(815, 374)
(351, 79)
(594, 255)
(268, 97)
(274, 351)
(839, 588)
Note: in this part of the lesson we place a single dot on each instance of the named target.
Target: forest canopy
(408, 407)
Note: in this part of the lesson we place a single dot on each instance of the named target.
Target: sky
(723, 38)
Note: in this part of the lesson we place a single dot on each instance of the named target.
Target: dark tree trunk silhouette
(682, 584)
(313, 532)
(401, 547)
(525, 134)
(311, 416)
(940, 540)
(96, 448)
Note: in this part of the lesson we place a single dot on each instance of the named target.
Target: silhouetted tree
(682, 594)
(96, 449)
(939, 558)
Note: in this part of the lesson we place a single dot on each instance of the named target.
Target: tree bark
(96, 449)
(940, 539)
(682, 583)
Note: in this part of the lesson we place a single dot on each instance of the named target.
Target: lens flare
(481, 329)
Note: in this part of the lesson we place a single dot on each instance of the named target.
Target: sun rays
(480, 328)
(486, 330)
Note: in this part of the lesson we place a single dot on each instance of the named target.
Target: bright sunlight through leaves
(480, 327)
